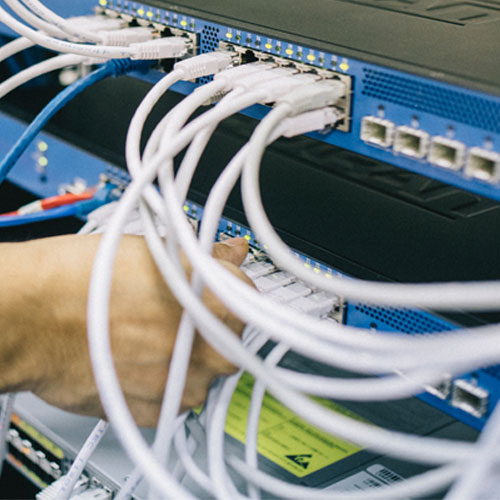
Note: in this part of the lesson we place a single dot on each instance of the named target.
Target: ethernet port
(411, 142)
(377, 131)
(483, 165)
(248, 56)
(447, 153)
(442, 389)
(470, 398)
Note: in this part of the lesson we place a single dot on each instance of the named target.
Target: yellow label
(285, 439)
(37, 436)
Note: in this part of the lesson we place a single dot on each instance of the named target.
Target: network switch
(450, 94)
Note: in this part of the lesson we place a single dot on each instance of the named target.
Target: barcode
(385, 474)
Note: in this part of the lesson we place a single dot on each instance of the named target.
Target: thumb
(233, 250)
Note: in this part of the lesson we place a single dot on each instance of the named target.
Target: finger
(232, 250)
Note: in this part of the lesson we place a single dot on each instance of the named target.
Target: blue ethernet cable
(115, 68)
(80, 209)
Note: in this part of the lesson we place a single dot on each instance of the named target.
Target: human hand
(45, 344)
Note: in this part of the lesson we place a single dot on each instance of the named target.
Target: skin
(43, 342)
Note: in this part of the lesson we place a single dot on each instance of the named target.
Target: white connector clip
(250, 82)
(278, 87)
(163, 48)
(126, 37)
(231, 76)
(310, 121)
(97, 23)
(315, 95)
(205, 64)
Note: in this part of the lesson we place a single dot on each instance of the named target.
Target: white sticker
(374, 476)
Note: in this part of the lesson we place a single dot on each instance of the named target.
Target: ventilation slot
(209, 41)
(402, 320)
(450, 104)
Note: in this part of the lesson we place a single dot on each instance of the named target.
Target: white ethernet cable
(331, 428)
(412, 341)
(81, 460)
(195, 67)
(162, 48)
(182, 350)
(429, 482)
(433, 450)
(105, 31)
(468, 296)
(367, 338)
(72, 30)
(252, 430)
(14, 47)
(35, 21)
(253, 77)
(52, 64)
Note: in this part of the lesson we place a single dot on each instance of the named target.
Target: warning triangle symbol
(302, 460)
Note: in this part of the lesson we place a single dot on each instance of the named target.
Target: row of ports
(478, 163)
(463, 394)
(247, 55)
(161, 29)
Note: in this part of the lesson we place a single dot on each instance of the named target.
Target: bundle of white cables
(302, 103)
(398, 366)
